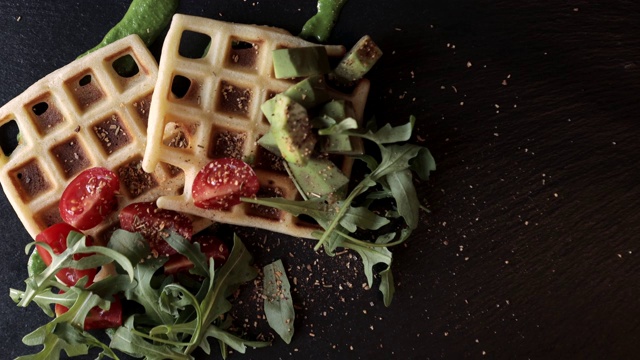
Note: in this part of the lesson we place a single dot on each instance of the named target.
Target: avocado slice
(358, 61)
(309, 93)
(300, 62)
(292, 131)
(320, 178)
(331, 114)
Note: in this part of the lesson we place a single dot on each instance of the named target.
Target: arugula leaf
(133, 246)
(58, 334)
(191, 251)
(45, 298)
(111, 285)
(53, 346)
(371, 257)
(404, 193)
(423, 164)
(235, 271)
(146, 295)
(388, 134)
(73, 335)
(237, 343)
(76, 244)
(278, 305)
(386, 286)
(127, 341)
(333, 127)
(316, 208)
(363, 218)
(395, 158)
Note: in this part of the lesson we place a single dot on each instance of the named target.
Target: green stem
(343, 210)
(160, 340)
(366, 243)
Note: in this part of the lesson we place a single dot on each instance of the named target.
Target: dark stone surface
(530, 108)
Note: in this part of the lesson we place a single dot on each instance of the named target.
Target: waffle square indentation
(85, 89)
(244, 55)
(30, 179)
(227, 143)
(135, 180)
(141, 107)
(44, 114)
(126, 72)
(234, 99)
(267, 212)
(112, 133)
(48, 216)
(71, 157)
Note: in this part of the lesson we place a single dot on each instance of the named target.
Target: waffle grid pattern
(217, 114)
(83, 115)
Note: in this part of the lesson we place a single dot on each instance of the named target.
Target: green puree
(321, 24)
(35, 265)
(146, 18)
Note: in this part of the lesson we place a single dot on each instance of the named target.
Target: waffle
(216, 113)
(92, 112)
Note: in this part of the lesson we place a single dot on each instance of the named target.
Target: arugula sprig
(391, 177)
(76, 244)
(186, 318)
(177, 318)
(278, 305)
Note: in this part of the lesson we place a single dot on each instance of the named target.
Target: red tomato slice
(221, 183)
(211, 246)
(98, 318)
(153, 224)
(56, 237)
(90, 198)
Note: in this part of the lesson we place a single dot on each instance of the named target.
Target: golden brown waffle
(208, 106)
(84, 115)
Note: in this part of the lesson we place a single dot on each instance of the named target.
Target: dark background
(531, 110)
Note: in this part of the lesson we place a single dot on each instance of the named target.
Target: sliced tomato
(221, 183)
(56, 237)
(211, 246)
(98, 318)
(90, 198)
(154, 224)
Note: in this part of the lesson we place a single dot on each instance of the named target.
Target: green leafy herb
(278, 305)
(177, 318)
(64, 332)
(76, 244)
(390, 177)
(35, 264)
(237, 270)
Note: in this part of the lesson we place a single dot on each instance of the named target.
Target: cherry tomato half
(221, 183)
(211, 246)
(90, 198)
(154, 224)
(56, 237)
(98, 318)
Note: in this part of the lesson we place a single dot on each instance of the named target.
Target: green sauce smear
(320, 25)
(146, 18)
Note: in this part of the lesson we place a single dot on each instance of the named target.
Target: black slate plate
(530, 250)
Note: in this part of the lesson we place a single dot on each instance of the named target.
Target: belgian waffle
(207, 105)
(92, 112)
